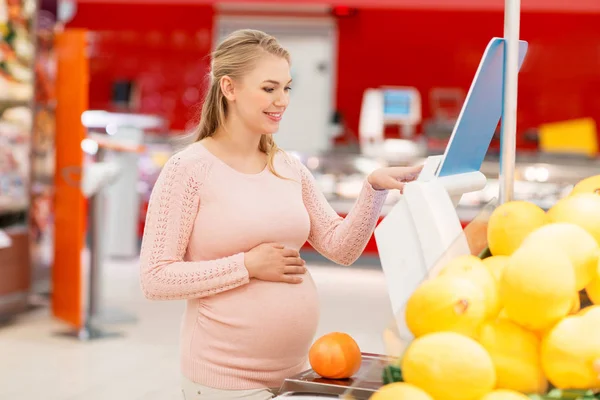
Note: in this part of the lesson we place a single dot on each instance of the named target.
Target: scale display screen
(397, 103)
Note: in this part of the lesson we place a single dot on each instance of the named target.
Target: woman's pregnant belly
(262, 325)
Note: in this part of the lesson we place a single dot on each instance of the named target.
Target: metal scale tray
(364, 383)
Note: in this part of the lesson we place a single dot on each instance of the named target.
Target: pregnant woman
(226, 220)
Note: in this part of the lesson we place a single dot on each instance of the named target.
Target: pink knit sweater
(236, 332)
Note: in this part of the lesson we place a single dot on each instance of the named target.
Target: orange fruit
(335, 355)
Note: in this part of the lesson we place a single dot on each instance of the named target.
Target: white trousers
(195, 391)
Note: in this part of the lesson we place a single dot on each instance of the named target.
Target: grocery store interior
(96, 95)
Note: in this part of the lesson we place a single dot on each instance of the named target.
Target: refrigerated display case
(539, 178)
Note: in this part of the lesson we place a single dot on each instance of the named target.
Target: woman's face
(262, 95)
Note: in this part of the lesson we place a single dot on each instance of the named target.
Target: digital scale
(108, 181)
(423, 225)
(389, 106)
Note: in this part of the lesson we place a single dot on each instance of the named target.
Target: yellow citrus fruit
(515, 354)
(473, 269)
(586, 310)
(579, 245)
(503, 394)
(496, 264)
(580, 209)
(592, 315)
(400, 391)
(593, 288)
(510, 223)
(537, 286)
(445, 303)
(569, 351)
(449, 366)
(502, 314)
(593, 291)
(575, 304)
(587, 185)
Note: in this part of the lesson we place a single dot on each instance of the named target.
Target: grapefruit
(587, 185)
(575, 304)
(537, 286)
(579, 245)
(510, 223)
(503, 394)
(495, 264)
(584, 311)
(592, 315)
(449, 366)
(400, 391)
(515, 354)
(581, 209)
(445, 303)
(593, 289)
(569, 352)
(473, 269)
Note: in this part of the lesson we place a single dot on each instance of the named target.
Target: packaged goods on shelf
(15, 128)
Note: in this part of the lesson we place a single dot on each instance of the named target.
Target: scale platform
(360, 387)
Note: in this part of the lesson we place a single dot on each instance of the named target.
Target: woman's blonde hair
(234, 57)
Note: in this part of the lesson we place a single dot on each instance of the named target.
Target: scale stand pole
(88, 329)
(508, 138)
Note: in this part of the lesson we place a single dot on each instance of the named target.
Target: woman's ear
(227, 88)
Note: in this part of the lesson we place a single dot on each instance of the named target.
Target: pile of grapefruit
(522, 323)
(512, 325)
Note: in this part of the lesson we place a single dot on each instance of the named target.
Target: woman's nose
(283, 100)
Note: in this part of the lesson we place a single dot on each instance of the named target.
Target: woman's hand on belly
(272, 262)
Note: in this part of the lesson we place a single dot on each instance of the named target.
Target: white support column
(512, 20)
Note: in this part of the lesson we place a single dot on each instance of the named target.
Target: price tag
(5, 240)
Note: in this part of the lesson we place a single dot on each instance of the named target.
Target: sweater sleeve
(342, 240)
(172, 210)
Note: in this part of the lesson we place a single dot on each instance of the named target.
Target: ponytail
(213, 111)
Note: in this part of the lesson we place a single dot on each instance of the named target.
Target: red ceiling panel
(586, 6)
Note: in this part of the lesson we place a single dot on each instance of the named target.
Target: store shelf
(13, 219)
(12, 208)
(10, 103)
(17, 51)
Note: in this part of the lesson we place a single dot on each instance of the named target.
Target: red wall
(560, 78)
(165, 48)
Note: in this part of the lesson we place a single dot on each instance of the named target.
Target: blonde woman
(226, 220)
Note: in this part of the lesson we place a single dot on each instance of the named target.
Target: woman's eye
(287, 89)
(268, 90)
